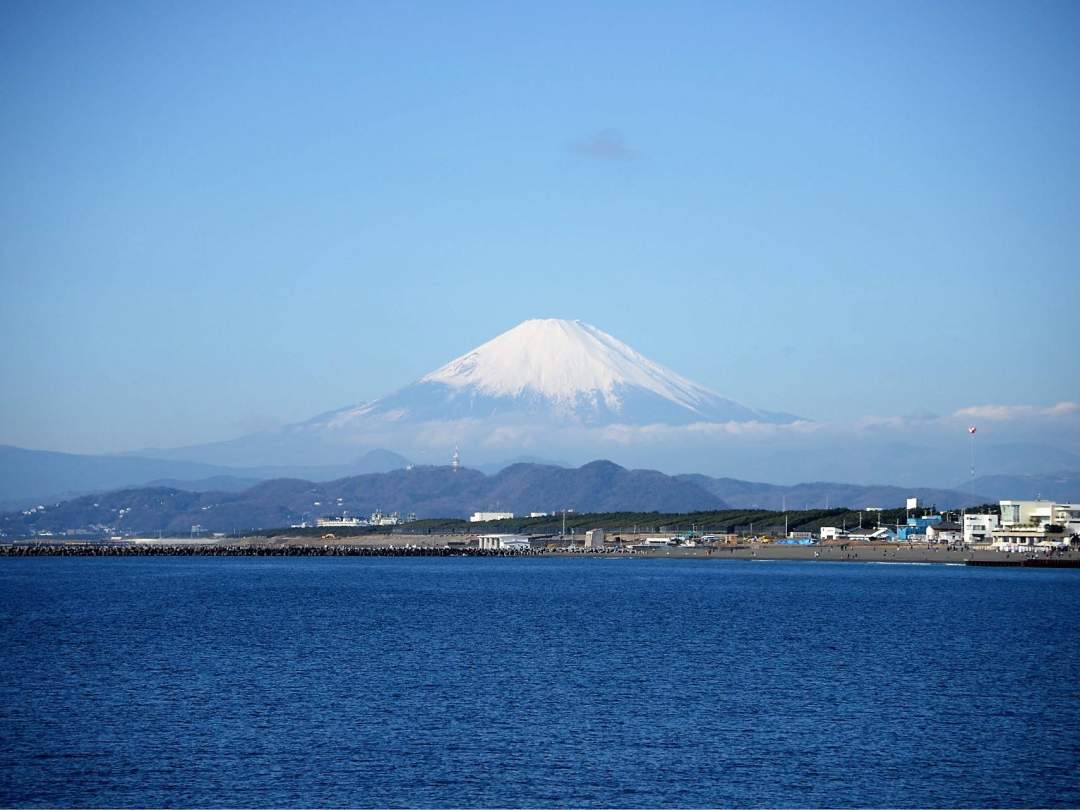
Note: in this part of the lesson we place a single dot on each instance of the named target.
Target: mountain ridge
(827, 494)
(430, 492)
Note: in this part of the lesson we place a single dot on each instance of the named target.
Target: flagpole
(963, 520)
(971, 433)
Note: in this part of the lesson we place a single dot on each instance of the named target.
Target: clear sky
(218, 217)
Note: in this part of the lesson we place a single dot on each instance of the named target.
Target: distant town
(1016, 526)
(1032, 528)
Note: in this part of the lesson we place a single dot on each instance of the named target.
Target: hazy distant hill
(27, 474)
(219, 483)
(1063, 487)
(821, 495)
(428, 491)
(41, 476)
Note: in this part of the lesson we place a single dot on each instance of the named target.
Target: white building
(480, 517)
(594, 538)
(538, 514)
(832, 533)
(948, 533)
(1030, 524)
(655, 542)
(340, 521)
(978, 529)
(504, 542)
(379, 519)
(1028, 538)
(1066, 515)
(870, 535)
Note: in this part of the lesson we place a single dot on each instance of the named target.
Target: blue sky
(221, 217)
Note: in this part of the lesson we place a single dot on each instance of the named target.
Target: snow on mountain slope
(559, 360)
(556, 370)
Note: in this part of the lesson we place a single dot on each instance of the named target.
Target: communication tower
(455, 462)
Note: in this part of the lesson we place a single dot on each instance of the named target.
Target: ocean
(601, 682)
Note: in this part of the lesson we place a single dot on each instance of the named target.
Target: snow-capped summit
(560, 360)
(560, 370)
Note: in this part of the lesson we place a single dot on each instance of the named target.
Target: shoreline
(404, 546)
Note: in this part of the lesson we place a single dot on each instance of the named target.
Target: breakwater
(1030, 562)
(75, 550)
(846, 552)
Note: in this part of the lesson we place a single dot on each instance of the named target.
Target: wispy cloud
(608, 144)
(660, 433)
(878, 423)
(1002, 413)
(971, 413)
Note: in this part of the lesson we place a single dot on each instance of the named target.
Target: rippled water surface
(536, 682)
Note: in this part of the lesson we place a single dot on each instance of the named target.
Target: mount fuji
(542, 385)
(566, 371)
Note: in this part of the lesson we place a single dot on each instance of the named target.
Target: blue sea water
(535, 682)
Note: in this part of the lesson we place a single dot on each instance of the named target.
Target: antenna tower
(455, 461)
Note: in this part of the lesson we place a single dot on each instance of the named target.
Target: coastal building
(1067, 515)
(594, 538)
(504, 542)
(944, 533)
(1026, 525)
(340, 521)
(1018, 513)
(925, 522)
(1027, 538)
(730, 538)
(915, 529)
(538, 514)
(877, 534)
(480, 517)
(655, 542)
(832, 533)
(978, 529)
(379, 519)
(344, 520)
